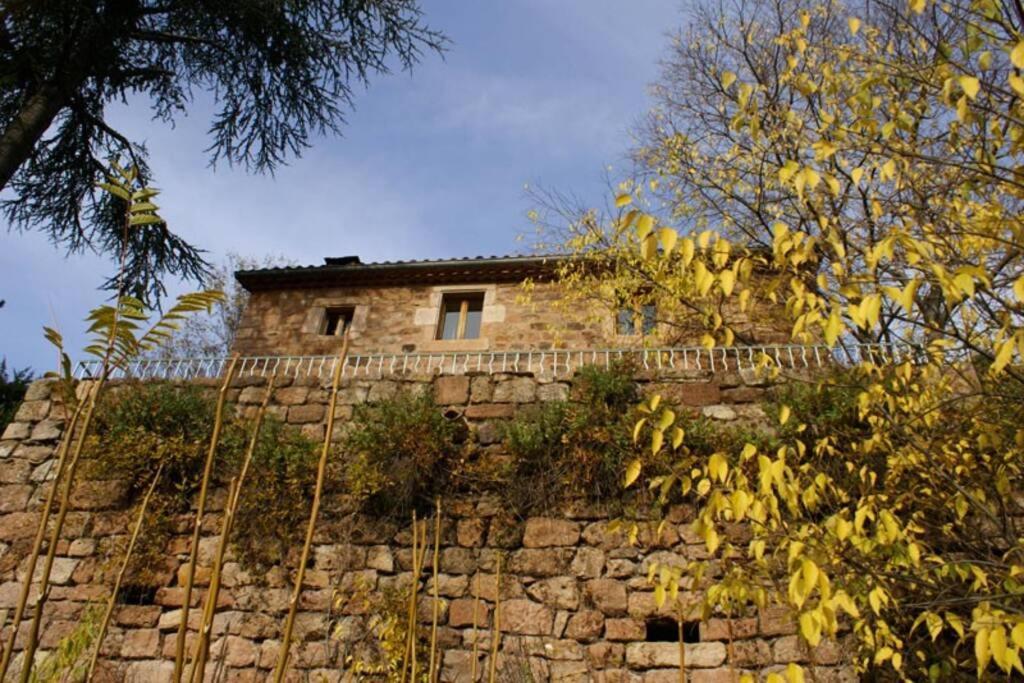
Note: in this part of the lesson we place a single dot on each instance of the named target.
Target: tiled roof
(349, 270)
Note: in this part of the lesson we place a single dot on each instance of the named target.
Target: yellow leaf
(666, 419)
(668, 238)
(677, 437)
(810, 629)
(632, 472)
(970, 85)
(1003, 354)
(644, 226)
(856, 174)
(728, 78)
(657, 439)
(1018, 289)
(997, 645)
(637, 427)
(727, 280)
(623, 200)
(718, 467)
(982, 654)
(1017, 55)
(649, 247)
(854, 23)
(1017, 83)
(833, 327)
(788, 171)
(687, 251)
(794, 674)
(917, 6)
(783, 415)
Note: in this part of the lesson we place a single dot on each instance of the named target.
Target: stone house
(434, 307)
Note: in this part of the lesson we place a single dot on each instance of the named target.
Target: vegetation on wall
(573, 449)
(13, 385)
(400, 454)
(141, 427)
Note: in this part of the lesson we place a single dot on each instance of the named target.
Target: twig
(112, 601)
(179, 647)
(496, 626)
(289, 624)
(202, 651)
(476, 612)
(411, 614)
(437, 601)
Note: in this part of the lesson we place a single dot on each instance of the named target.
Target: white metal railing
(550, 362)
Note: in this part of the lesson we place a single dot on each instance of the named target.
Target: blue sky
(430, 165)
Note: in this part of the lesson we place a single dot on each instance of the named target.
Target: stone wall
(402, 319)
(575, 601)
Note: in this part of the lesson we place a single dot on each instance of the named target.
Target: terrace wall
(574, 596)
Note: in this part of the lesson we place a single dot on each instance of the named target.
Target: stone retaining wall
(575, 601)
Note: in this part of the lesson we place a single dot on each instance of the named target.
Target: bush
(13, 385)
(400, 454)
(573, 449)
(140, 426)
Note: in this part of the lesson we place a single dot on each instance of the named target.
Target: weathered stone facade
(396, 310)
(575, 601)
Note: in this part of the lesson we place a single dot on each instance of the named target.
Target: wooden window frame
(464, 299)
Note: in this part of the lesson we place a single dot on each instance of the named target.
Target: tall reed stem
(682, 648)
(437, 601)
(202, 651)
(411, 614)
(37, 544)
(112, 601)
(190, 576)
(58, 526)
(321, 474)
(496, 628)
(476, 613)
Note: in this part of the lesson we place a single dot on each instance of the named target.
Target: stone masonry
(575, 602)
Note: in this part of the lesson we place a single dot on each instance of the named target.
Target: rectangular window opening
(629, 321)
(337, 320)
(461, 315)
(666, 630)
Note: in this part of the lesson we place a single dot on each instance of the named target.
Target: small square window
(628, 320)
(337, 320)
(461, 315)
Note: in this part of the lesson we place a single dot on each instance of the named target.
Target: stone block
(17, 430)
(305, 413)
(470, 532)
(451, 390)
(487, 411)
(585, 625)
(752, 653)
(515, 390)
(776, 621)
(39, 390)
(15, 471)
(526, 617)
(587, 563)
(141, 643)
(48, 430)
(149, 671)
(291, 396)
(540, 562)
(555, 391)
(14, 497)
(721, 413)
(379, 557)
(560, 592)
(624, 629)
(32, 411)
(608, 595)
(728, 629)
(606, 655)
(544, 532)
(481, 390)
(655, 655)
(460, 613)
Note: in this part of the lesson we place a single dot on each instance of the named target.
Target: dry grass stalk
(434, 656)
(321, 474)
(202, 651)
(112, 601)
(496, 626)
(476, 613)
(58, 526)
(682, 648)
(179, 646)
(417, 572)
(37, 544)
(411, 614)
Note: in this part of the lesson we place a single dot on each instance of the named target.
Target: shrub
(13, 386)
(141, 426)
(577, 448)
(400, 453)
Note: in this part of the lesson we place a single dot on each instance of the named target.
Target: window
(337, 320)
(627, 319)
(460, 316)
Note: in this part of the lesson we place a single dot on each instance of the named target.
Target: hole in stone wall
(137, 595)
(666, 630)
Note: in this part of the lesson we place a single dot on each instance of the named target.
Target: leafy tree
(212, 334)
(13, 385)
(859, 166)
(278, 73)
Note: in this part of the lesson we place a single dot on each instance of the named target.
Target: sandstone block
(48, 430)
(728, 629)
(470, 532)
(654, 655)
(540, 562)
(555, 391)
(291, 396)
(559, 592)
(141, 643)
(15, 471)
(585, 625)
(487, 411)
(721, 413)
(14, 498)
(451, 389)
(752, 653)
(606, 655)
(32, 411)
(587, 563)
(305, 413)
(516, 390)
(460, 613)
(149, 671)
(379, 557)
(526, 617)
(608, 595)
(17, 430)
(624, 629)
(138, 615)
(481, 390)
(544, 532)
